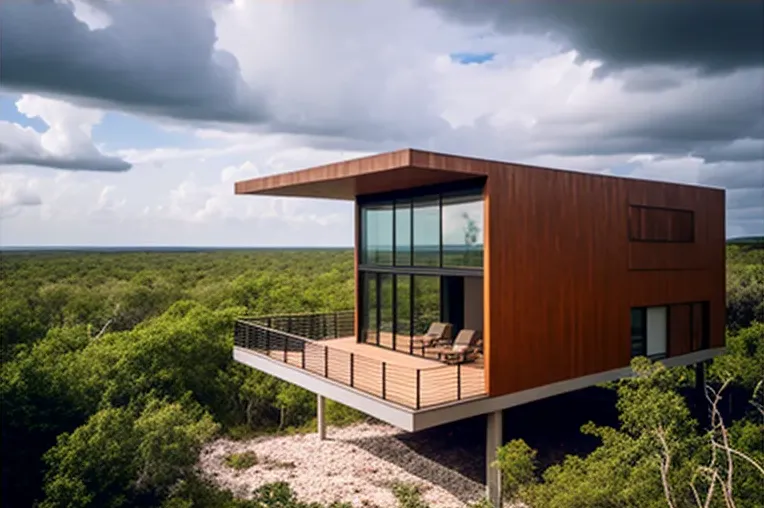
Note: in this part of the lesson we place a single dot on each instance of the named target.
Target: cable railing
(415, 388)
(310, 326)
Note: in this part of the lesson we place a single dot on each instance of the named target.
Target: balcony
(324, 345)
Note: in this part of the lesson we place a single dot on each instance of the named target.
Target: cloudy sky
(127, 122)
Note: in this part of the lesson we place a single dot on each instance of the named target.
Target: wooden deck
(387, 374)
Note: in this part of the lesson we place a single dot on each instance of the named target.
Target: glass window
(386, 309)
(426, 302)
(377, 231)
(403, 233)
(657, 326)
(638, 333)
(370, 307)
(462, 218)
(427, 232)
(403, 306)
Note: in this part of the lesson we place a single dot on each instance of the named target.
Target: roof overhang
(346, 180)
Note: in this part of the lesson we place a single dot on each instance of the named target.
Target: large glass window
(403, 233)
(638, 332)
(426, 302)
(386, 302)
(377, 231)
(403, 305)
(435, 230)
(462, 218)
(370, 307)
(427, 232)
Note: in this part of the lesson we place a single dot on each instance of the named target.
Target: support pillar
(321, 406)
(493, 440)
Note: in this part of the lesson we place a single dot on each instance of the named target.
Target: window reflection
(370, 307)
(386, 309)
(426, 302)
(403, 233)
(377, 231)
(427, 232)
(403, 306)
(462, 218)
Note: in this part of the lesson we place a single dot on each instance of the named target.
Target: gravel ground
(355, 464)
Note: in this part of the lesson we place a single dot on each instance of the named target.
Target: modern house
(560, 278)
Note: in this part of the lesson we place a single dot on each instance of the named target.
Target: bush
(408, 495)
(517, 463)
(241, 461)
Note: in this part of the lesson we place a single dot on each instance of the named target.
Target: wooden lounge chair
(438, 334)
(466, 347)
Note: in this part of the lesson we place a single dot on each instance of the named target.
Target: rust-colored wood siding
(561, 273)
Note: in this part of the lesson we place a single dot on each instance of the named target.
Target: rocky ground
(356, 464)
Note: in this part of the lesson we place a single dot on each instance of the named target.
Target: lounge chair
(438, 334)
(466, 347)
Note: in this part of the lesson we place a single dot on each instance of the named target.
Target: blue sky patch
(9, 113)
(120, 131)
(472, 58)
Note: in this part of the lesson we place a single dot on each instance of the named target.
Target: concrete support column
(321, 405)
(493, 440)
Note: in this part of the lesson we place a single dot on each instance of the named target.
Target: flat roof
(385, 172)
(402, 169)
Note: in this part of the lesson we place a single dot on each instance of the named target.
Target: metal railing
(411, 387)
(310, 326)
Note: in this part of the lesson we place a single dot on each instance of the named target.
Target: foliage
(745, 285)
(116, 367)
(408, 495)
(516, 461)
(656, 450)
(197, 493)
(241, 461)
(118, 457)
(86, 335)
(744, 359)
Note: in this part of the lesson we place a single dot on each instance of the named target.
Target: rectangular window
(386, 309)
(638, 332)
(377, 235)
(370, 307)
(652, 224)
(426, 302)
(649, 331)
(462, 219)
(656, 332)
(403, 233)
(427, 232)
(403, 307)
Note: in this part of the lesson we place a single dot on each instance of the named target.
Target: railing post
(303, 355)
(352, 368)
(270, 322)
(268, 341)
(326, 361)
(289, 324)
(286, 349)
(336, 330)
(418, 388)
(458, 381)
(384, 384)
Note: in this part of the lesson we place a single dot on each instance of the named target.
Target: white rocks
(356, 464)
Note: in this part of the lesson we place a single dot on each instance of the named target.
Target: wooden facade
(567, 255)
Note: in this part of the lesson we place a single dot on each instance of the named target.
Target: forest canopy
(117, 368)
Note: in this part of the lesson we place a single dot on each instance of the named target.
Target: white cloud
(16, 192)
(338, 80)
(66, 144)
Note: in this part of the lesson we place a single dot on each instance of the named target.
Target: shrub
(240, 461)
